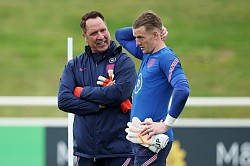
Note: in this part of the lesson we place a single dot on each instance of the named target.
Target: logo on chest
(112, 60)
(151, 62)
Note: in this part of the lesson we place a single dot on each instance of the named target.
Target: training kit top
(160, 76)
(98, 132)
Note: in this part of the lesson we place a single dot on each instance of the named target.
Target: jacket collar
(110, 50)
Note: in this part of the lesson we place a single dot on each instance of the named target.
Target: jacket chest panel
(88, 72)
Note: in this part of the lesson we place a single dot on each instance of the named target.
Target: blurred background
(210, 37)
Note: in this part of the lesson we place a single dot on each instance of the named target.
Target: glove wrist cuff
(169, 120)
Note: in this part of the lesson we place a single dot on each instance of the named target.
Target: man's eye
(103, 30)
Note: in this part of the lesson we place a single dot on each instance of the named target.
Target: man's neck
(160, 46)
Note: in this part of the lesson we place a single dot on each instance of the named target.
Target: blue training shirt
(160, 75)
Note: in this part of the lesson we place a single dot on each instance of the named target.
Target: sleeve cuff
(85, 92)
(169, 120)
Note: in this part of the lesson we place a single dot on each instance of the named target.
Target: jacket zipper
(96, 64)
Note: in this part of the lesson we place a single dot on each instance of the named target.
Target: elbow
(184, 90)
(121, 34)
(186, 93)
(182, 94)
(117, 35)
(62, 104)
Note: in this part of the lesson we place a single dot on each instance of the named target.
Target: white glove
(105, 81)
(155, 144)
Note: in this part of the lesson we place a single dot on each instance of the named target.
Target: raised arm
(125, 38)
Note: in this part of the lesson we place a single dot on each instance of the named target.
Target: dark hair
(148, 19)
(86, 16)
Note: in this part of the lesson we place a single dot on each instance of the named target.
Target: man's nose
(138, 43)
(100, 35)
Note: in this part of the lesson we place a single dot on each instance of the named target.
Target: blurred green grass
(210, 37)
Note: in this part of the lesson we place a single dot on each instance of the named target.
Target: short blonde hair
(149, 20)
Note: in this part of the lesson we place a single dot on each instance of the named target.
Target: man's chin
(103, 49)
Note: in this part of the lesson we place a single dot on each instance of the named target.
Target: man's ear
(156, 34)
(84, 36)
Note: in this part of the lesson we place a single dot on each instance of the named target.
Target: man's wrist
(169, 121)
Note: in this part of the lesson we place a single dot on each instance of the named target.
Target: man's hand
(164, 33)
(78, 91)
(151, 128)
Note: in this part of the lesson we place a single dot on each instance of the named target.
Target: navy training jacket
(98, 133)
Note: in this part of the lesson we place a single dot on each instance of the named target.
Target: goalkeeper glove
(155, 143)
(125, 105)
(103, 81)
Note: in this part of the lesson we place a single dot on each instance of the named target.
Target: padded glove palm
(155, 143)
